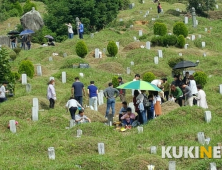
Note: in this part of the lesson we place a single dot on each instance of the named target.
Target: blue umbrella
(25, 32)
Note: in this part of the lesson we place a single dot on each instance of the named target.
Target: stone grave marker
(201, 138)
(133, 4)
(196, 22)
(9, 25)
(51, 153)
(12, 126)
(110, 119)
(131, 26)
(151, 8)
(100, 97)
(97, 53)
(148, 45)
(147, 12)
(186, 46)
(186, 20)
(180, 54)
(28, 88)
(220, 88)
(34, 114)
(207, 115)
(134, 38)
(79, 133)
(81, 74)
(153, 149)
(130, 6)
(193, 37)
(63, 77)
(216, 6)
(160, 53)
(151, 167)
(39, 70)
(104, 50)
(169, 33)
(140, 32)
(71, 123)
(204, 54)
(92, 35)
(35, 103)
(50, 59)
(172, 165)
(178, 9)
(24, 79)
(117, 44)
(203, 44)
(153, 19)
(101, 148)
(156, 60)
(128, 70)
(205, 29)
(64, 55)
(213, 166)
(140, 129)
(132, 63)
(120, 19)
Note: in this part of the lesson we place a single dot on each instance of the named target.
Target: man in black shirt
(13, 41)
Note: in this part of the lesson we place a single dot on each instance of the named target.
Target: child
(150, 111)
(171, 98)
(128, 118)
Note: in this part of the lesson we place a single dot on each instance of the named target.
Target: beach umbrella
(139, 85)
(25, 32)
(184, 64)
(13, 32)
(49, 37)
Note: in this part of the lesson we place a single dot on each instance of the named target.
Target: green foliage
(198, 43)
(143, 37)
(17, 50)
(115, 81)
(28, 6)
(38, 37)
(112, 48)
(159, 29)
(13, 76)
(173, 61)
(157, 41)
(4, 65)
(170, 40)
(180, 41)
(69, 61)
(180, 28)
(124, 4)
(12, 56)
(200, 78)
(26, 67)
(148, 76)
(81, 49)
(201, 6)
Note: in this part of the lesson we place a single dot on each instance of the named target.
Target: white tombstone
(132, 63)
(169, 33)
(131, 26)
(104, 50)
(134, 38)
(71, 123)
(160, 53)
(35, 116)
(216, 6)
(178, 9)
(156, 60)
(50, 59)
(207, 115)
(12, 126)
(117, 44)
(220, 88)
(63, 77)
(100, 54)
(144, 16)
(203, 44)
(186, 46)
(39, 70)
(172, 165)
(79, 133)
(196, 22)
(140, 129)
(51, 153)
(153, 19)
(101, 148)
(186, 20)
(147, 12)
(204, 54)
(35, 103)
(120, 19)
(180, 54)
(28, 87)
(24, 79)
(131, 105)
(128, 70)
(140, 32)
(9, 24)
(201, 138)
(133, 4)
(199, 36)
(92, 35)
(100, 97)
(97, 53)
(205, 29)
(207, 141)
(148, 45)
(81, 74)
(193, 37)
(65, 55)
(151, 167)
(213, 166)
(153, 149)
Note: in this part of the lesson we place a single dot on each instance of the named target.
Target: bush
(157, 40)
(112, 48)
(26, 67)
(180, 28)
(198, 43)
(173, 12)
(38, 36)
(180, 41)
(169, 40)
(13, 57)
(200, 78)
(81, 49)
(148, 76)
(173, 61)
(160, 29)
(115, 81)
(143, 37)
(28, 6)
(17, 50)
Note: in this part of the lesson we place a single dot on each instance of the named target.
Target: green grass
(27, 149)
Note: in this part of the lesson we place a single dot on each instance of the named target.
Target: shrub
(69, 61)
(180, 41)
(28, 6)
(26, 67)
(180, 28)
(159, 29)
(200, 78)
(157, 40)
(17, 50)
(148, 76)
(173, 61)
(198, 43)
(112, 48)
(38, 36)
(81, 49)
(143, 37)
(169, 40)
(13, 57)
(115, 81)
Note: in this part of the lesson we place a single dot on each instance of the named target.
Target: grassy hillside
(27, 149)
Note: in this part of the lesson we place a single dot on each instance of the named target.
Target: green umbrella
(139, 85)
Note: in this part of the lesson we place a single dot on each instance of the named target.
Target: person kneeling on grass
(128, 118)
(81, 118)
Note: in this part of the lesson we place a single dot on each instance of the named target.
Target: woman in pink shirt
(128, 118)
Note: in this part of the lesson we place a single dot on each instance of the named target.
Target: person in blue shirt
(150, 111)
(123, 110)
(81, 30)
(92, 91)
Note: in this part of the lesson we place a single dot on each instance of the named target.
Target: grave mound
(94, 115)
(102, 108)
(215, 14)
(169, 106)
(111, 67)
(133, 45)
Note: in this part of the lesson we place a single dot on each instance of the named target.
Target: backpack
(146, 102)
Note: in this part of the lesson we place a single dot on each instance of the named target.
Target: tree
(28, 6)
(5, 68)
(201, 6)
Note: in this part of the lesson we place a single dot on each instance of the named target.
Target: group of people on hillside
(24, 39)
(80, 29)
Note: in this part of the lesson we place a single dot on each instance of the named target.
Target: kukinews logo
(191, 152)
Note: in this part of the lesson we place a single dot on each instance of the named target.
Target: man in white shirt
(70, 31)
(2, 92)
(158, 83)
(81, 118)
(137, 77)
